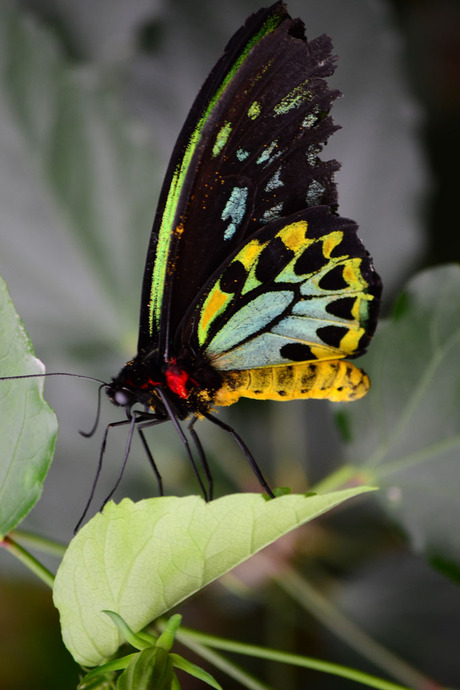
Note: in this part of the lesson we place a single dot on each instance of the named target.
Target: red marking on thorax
(176, 380)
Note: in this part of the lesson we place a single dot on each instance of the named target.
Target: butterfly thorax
(188, 384)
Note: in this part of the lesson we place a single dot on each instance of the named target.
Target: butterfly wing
(301, 289)
(247, 154)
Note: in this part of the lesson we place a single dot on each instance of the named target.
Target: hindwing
(301, 289)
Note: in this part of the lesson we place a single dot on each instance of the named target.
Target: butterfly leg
(99, 465)
(183, 438)
(132, 424)
(151, 460)
(202, 456)
(247, 453)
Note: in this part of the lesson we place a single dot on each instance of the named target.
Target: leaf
(141, 559)
(29, 426)
(406, 432)
(151, 668)
(194, 670)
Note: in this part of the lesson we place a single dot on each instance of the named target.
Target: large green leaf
(406, 432)
(141, 559)
(29, 426)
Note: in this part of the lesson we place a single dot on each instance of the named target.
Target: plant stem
(187, 636)
(191, 640)
(43, 544)
(29, 561)
(320, 607)
(347, 475)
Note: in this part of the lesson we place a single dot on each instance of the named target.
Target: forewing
(301, 289)
(248, 154)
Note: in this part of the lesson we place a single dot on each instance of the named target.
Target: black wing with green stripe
(247, 155)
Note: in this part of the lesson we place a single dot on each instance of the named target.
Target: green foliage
(405, 435)
(153, 667)
(142, 559)
(29, 426)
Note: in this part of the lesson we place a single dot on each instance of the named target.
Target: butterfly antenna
(88, 434)
(52, 373)
(183, 438)
(247, 453)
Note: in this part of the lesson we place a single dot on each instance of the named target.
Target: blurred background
(93, 95)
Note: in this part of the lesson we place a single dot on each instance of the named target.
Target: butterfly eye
(122, 398)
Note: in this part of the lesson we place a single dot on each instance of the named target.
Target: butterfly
(254, 286)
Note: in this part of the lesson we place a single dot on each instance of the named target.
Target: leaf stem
(29, 561)
(320, 607)
(188, 636)
(192, 640)
(407, 461)
(53, 548)
(345, 476)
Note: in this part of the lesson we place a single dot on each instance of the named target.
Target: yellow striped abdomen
(338, 380)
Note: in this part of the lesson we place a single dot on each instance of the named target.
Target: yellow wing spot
(356, 309)
(249, 253)
(350, 341)
(352, 273)
(221, 138)
(254, 110)
(326, 352)
(361, 306)
(293, 235)
(214, 303)
(331, 241)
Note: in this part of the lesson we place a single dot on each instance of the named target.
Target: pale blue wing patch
(270, 153)
(272, 213)
(235, 210)
(249, 319)
(274, 182)
(265, 351)
(314, 193)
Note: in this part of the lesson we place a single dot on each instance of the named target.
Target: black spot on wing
(272, 259)
(232, 279)
(348, 246)
(332, 335)
(311, 260)
(342, 308)
(333, 280)
(297, 352)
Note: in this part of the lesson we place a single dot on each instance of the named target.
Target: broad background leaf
(141, 559)
(407, 431)
(29, 425)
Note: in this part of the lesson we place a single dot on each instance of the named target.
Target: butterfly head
(135, 385)
(121, 396)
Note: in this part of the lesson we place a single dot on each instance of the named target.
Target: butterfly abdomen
(339, 381)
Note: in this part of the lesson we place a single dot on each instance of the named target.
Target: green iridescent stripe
(178, 178)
